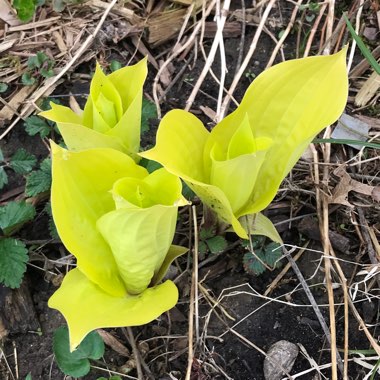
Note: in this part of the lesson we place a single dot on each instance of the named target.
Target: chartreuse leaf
(218, 202)
(61, 114)
(181, 138)
(290, 103)
(75, 135)
(92, 172)
(281, 112)
(86, 307)
(14, 214)
(13, 259)
(259, 224)
(76, 363)
(143, 223)
(245, 154)
(174, 252)
(180, 141)
(129, 83)
(112, 114)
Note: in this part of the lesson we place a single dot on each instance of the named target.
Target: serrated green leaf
(39, 181)
(115, 65)
(252, 265)
(14, 214)
(3, 177)
(272, 254)
(206, 233)
(1, 155)
(3, 87)
(35, 124)
(76, 363)
(28, 376)
(25, 9)
(27, 79)
(202, 247)
(149, 111)
(22, 162)
(217, 244)
(13, 259)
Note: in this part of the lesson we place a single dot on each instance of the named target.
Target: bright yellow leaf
(87, 307)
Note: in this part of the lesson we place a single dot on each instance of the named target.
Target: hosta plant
(119, 222)
(111, 116)
(237, 168)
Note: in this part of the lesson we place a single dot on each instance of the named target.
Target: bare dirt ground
(236, 315)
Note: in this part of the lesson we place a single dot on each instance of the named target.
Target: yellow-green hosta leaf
(214, 198)
(174, 252)
(81, 194)
(106, 110)
(159, 187)
(259, 224)
(112, 114)
(180, 141)
(290, 103)
(242, 141)
(139, 239)
(61, 114)
(129, 82)
(237, 177)
(86, 307)
(102, 86)
(75, 134)
(78, 137)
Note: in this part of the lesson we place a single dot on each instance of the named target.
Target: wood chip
(59, 41)
(9, 110)
(5, 45)
(114, 343)
(370, 87)
(164, 26)
(7, 14)
(34, 25)
(128, 14)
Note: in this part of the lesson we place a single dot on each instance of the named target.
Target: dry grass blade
(248, 57)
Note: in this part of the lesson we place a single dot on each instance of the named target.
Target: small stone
(284, 354)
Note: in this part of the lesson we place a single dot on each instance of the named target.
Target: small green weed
(39, 65)
(76, 363)
(268, 254)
